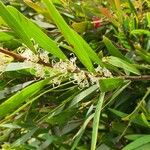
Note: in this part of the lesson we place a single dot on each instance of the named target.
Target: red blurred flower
(96, 21)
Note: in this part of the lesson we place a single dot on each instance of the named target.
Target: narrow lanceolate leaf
(81, 131)
(83, 95)
(81, 48)
(80, 27)
(96, 121)
(14, 24)
(37, 34)
(122, 64)
(148, 19)
(35, 6)
(109, 84)
(144, 55)
(132, 8)
(16, 100)
(140, 32)
(6, 36)
(137, 120)
(24, 138)
(134, 137)
(138, 143)
(112, 49)
(15, 66)
(118, 10)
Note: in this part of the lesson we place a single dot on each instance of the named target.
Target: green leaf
(62, 117)
(16, 100)
(144, 147)
(16, 26)
(10, 126)
(109, 84)
(14, 66)
(148, 19)
(137, 143)
(80, 47)
(144, 55)
(119, 127)
(112, 49)
(37, 8)
(144, 119)
(6, 36)
(48, 140)
(81, 131)
(137, 120)
(118, 113)
(117, 92)
(133, 137)
(83, 95)
(24, 138)
(103, 147)
(140, 32)
(80, 27)
(6, 91)
(37, 34)
(122, 64)
(132, 8)
(96, 121)
(2, 22)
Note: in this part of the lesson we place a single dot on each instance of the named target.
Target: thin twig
(21, 58)
(14, 55)
(136, 78)
(121, 48)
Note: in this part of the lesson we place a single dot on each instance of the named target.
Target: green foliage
(96, 121)
(115, 61)
(36, 34)
(138, 142)
(15, 101)
(13, 23)
(80, 47)
(110, 84)
(74, 75)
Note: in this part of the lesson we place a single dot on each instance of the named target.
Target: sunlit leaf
(16, 100)
(96, 121)
(137, 143)
(122, 64)
(109, 84)
(80, 47)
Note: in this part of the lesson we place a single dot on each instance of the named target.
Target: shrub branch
(21, 59)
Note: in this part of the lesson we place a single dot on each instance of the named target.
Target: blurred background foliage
(36, 114)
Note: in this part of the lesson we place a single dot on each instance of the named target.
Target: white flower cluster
(40, 70)
(84, 79)
(80, 77)
(65, 68)
(44, 56)
(2, 65)
(4, 61)
(32, 59)
(103, 71)
(28, 54)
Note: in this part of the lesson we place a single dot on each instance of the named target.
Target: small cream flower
(29, 55)
(4, 61)
(40, 72)
(44, 56)
(107, 73)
